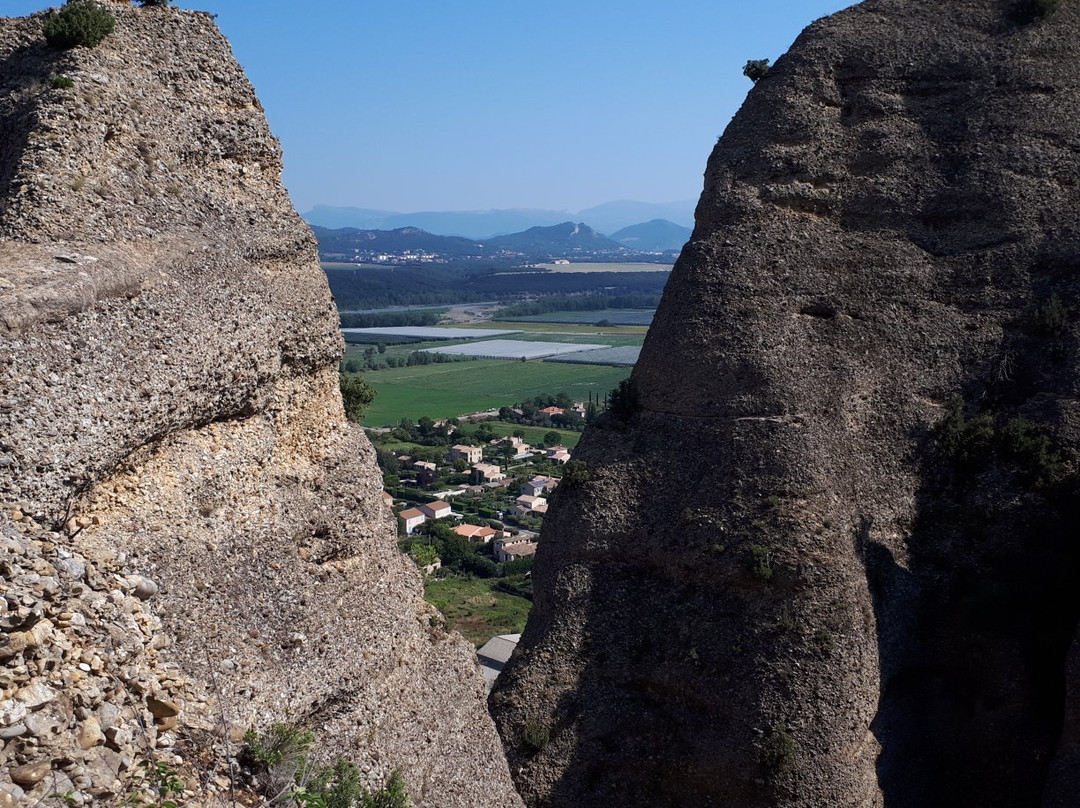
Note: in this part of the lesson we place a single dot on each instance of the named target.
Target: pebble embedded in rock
(161, 708)
(144, 588)
(30, 774)
(90, 734)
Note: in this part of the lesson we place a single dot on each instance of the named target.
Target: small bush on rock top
(80, 23)
(153, 2)
(756, 69)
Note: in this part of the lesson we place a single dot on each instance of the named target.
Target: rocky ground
(90, 697)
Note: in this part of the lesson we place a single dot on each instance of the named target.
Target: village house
(538, 486)
(470, 454)
(529, 504)
(558, 454)
(487, 473)
(520, 447)
(424, 465)
(436, 510)
(552, 411)
(506, 550)
(411, 519)
(476, 533)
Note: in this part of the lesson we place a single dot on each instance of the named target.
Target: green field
(457, 388)
(475, 608)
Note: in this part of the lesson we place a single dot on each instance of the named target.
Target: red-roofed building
(476, 533)
(411, 519)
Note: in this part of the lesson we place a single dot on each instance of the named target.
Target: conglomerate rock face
(193, 541)
(826, 552)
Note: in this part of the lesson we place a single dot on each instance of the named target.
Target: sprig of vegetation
(535, 735)
(281, 753)
(965, 442)
(761, 561)
(777, 751)
(575, 473)
(155, 785)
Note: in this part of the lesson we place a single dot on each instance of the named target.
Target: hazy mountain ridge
(605, 218)
(564, 240)
(658, 235)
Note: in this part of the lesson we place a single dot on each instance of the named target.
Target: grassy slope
(473, 607)
(457, 388)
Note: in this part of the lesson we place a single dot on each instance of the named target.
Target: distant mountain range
(606, 218)
(563, 240)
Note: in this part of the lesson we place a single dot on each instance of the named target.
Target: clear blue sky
(412, 105)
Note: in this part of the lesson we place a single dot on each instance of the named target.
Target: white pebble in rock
(144, 587)
(70, 567)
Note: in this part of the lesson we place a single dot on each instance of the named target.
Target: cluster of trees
(448, 284)
(529, 413)
(373, 358)
(391, 319)
(425, 432)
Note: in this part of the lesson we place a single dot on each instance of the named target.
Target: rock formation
(193, 541)
(825, 553)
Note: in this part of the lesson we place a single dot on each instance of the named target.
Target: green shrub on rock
(145, 3)
(80, 23)
(756, 69)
